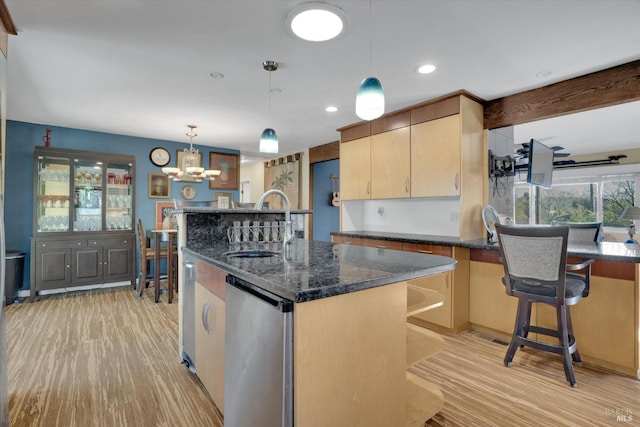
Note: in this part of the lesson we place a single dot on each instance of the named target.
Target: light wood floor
(108, 358)
(103, 358)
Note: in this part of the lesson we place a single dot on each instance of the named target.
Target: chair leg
(142, 279)
(563, 338)
(576, 354)
(525, 330)
(521, 324)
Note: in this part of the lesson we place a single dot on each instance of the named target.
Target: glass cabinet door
(52, 213)
(119, 198)
(87, 193)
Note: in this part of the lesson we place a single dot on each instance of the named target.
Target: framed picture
(164, 219)
(159, 186)
(224, 200)
(179, 154)
(229, 166)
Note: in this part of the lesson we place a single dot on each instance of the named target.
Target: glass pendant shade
(269, 141)
(370, 99)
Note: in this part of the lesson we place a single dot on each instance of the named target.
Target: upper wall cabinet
(390, 164)
(355, 169)
(433, 149)
(435, 158)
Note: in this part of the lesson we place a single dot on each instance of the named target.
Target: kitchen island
(349, 335)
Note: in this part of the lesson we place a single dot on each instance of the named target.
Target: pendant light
(269, 139)
(370, 97)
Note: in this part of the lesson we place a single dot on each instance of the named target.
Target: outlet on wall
(454, 217)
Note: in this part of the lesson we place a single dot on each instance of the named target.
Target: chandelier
(190, 168)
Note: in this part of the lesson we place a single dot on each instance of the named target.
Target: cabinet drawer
(120, 241)
(347, 240)
(211, 278)
(424, 248)
(55, 244)
(382, 244)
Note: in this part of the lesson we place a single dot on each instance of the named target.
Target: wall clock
(160, 156)
(188, 192)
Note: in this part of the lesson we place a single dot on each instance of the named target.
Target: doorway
(326, 213)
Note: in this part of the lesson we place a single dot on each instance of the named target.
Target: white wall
(254, 173)
(434, 216)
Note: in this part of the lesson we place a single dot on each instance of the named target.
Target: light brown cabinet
(453, 315)
(440, 283)
(355, 169)
(210, 330)
(390, 164)
(435, 158)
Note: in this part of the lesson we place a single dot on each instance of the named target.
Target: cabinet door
(118, 259)
(119, 196)
(390, 164)
(209, 318)
(355, 169)
(87, 194)
(51, 201)
(439, 283)
(435, 158)
(53, 268)
(87, 265)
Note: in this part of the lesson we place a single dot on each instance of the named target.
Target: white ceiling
(142, 67)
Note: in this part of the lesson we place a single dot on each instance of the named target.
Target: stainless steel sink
(257, 253)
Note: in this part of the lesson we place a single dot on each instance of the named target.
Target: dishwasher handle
(277, 302)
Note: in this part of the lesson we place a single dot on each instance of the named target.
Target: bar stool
(535, 265)
(147, 254)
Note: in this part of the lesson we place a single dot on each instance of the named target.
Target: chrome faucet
(288, 225)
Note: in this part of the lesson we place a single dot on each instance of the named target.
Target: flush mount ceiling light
(269, 139)
(426, 69)
(316, 21)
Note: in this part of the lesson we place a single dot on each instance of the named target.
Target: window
(600, 198)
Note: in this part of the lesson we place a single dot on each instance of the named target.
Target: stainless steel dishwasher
(258, 370)
(188, 306)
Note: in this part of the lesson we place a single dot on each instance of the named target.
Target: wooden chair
(147, 254)
(535, 265)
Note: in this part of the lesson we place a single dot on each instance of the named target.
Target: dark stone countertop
(314, 269)
(208, 209)
(612, 251)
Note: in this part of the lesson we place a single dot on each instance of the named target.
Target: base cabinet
(210, 330)
(60, 263)
(604, 323)
(453, 316)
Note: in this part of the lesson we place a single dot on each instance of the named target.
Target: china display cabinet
(83, 213)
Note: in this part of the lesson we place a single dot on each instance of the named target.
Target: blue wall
(326, 218)
(22, 138)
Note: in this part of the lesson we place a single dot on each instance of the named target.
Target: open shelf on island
(421, 344)
(421, 299)
(424, 400)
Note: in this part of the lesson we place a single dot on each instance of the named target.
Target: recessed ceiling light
(426, 69)
(216, 75)
(545, 73)
(316, 21)
(331, 109)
